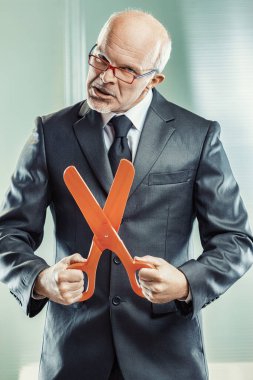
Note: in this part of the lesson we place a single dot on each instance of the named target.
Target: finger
(74, 275)
(144, 286)
(75, 293)
(75, 258)
(147, 294)
(72, 297)
(148, 284)
(68, 275)
(66, 287)
(148, 274)
(78, 298)
(152, 288)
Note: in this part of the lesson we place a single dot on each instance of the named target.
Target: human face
(106, 93)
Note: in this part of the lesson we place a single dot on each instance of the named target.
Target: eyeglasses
(121, 74)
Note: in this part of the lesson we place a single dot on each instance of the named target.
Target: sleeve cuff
(188, 298)
(36, 296)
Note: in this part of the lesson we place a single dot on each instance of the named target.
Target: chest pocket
(170, 178)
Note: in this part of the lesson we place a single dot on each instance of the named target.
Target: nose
(108, 76)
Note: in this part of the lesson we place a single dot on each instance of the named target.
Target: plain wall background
(44, 45)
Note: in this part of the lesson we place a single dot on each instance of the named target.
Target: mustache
(103, 89)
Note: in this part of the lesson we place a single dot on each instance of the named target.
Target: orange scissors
(105, 223)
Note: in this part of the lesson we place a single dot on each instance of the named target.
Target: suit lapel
(89, 133)
(156, 132)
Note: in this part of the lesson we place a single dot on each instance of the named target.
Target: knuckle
(158, 280)
(76, 256)
(60, 277)
(147, 257)
(68, 300)
(157, 288)
(79, 295)
(142, 273)
(66, 303)
(80, 276)
(62, 288)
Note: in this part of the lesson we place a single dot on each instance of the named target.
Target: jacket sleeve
(223, 225)
(22, 218)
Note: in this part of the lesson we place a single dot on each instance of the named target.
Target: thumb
(75, 258)
(156, 261)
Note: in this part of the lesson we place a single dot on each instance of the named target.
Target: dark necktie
(119, 148)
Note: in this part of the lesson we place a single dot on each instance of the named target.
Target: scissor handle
(132, 275)
(84, 267)
(90, 268)
(91, 276)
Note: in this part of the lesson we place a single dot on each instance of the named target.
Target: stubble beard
(94, 103)
(96, 107)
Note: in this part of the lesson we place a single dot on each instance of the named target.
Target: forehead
(126, 45)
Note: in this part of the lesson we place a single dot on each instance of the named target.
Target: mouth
(102, 92)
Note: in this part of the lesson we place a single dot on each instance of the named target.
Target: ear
(157, 79)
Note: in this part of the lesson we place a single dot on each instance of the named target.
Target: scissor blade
(85, 200)
(116, 202)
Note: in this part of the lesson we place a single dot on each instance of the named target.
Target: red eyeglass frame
(113, 68)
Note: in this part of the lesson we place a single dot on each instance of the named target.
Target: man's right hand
(59, 284)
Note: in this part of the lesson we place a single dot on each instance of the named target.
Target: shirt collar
(136, 114)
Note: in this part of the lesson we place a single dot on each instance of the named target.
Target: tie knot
(121, 125)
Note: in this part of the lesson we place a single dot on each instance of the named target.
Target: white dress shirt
(137, 116)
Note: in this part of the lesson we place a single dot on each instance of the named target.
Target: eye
(129, 69)
(102, 57)
(96, 59)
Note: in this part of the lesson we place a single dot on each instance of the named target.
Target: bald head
(141, 31)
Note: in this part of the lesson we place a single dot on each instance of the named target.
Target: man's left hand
(164, 282)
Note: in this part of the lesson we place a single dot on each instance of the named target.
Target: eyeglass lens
(100, 64)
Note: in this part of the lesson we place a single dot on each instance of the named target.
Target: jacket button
(116, 260)
(116, 300)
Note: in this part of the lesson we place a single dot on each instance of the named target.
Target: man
(181, 173)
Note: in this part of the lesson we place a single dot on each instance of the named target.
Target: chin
(98, 106)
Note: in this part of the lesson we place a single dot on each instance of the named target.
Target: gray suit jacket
(181, 173)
